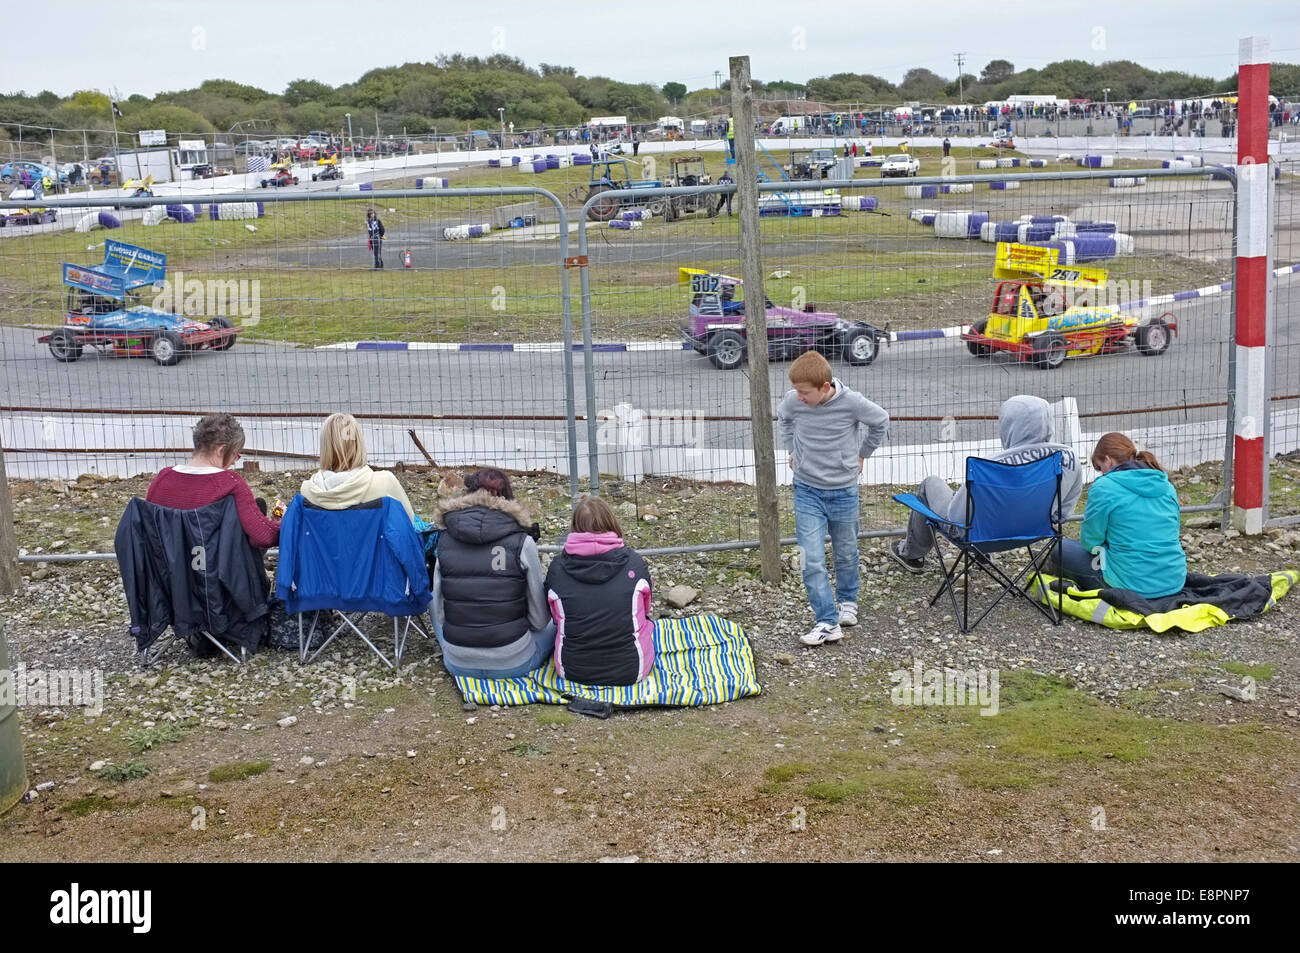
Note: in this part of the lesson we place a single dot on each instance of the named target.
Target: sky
(149, 47)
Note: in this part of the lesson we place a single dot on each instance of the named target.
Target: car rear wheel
(860, 347)
(64, 346)
(1051, 351)
(727, 350)
(166, 348)
(229, 342)
(1153, 339)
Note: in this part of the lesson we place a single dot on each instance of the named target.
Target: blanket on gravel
(1204, 602)
(699, 660)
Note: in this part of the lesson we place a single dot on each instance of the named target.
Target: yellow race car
(1044, 312)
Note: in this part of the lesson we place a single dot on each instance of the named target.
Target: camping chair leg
(229, 654)
(150, 656)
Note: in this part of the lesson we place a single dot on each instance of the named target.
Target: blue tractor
(608, 174)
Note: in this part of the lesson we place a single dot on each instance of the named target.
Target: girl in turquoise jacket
(1130, 533)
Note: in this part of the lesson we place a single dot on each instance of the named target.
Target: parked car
(899, 164)
(11, 172)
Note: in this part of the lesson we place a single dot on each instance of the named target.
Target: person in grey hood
(1026, 430)
(489, 600)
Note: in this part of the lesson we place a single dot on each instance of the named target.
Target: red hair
(1121, 449)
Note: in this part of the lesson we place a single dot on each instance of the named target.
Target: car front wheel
(860, 347)
(727, 350)
(64, 346)
(1153, 339)
(166, 348)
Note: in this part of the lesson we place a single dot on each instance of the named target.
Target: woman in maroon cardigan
(218, 440)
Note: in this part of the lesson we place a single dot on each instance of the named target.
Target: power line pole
(717, 79)
(961, 61)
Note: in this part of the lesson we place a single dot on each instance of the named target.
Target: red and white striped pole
(1250, 466)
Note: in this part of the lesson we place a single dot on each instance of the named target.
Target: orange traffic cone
(406, 258)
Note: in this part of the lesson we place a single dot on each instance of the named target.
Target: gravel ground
(74, 616)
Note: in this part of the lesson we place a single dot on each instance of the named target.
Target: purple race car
(716, 327)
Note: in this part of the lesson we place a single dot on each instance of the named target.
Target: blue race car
(105, 309)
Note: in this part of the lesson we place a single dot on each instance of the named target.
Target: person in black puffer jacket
(489, 604)
(599, 591)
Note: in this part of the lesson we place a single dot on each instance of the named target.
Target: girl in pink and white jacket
(599, 592)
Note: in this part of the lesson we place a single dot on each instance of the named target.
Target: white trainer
(822, 632)
(848, 613)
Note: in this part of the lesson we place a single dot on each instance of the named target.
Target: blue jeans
(817, 512)
(543, 646)
(1076, 564)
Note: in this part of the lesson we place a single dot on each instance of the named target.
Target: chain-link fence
(563, 314)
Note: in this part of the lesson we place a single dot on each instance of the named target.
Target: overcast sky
(147, 47)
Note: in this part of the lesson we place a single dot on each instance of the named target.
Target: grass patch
(1260, 673)
(902, 787)
(145, 739)
(529, 749)
(989, 774)
(92, 804)
(787, 772)
(554, 717)
(130, 771)
(237, 771)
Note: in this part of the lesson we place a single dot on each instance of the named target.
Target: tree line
(455, 93)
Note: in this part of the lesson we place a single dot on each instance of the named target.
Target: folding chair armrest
(913, 502)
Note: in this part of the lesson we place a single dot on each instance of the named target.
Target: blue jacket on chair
(367, 558)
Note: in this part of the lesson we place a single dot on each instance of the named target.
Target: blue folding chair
(366, 558)
(1009, 507)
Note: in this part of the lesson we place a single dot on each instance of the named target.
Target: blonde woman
(344, 478)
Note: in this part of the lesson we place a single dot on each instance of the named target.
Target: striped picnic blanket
(700, 660)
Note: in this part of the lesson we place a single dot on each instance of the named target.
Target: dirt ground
(1106, 745)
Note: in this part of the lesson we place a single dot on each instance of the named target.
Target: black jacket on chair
(194, 570)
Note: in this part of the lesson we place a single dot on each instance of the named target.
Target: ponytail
(1121, 449)
(1149, 458)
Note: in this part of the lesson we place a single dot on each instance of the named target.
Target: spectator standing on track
(947, 146)
(824, 425)
(375, 236)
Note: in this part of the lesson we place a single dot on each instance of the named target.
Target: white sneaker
(848, 613)
(822, 632)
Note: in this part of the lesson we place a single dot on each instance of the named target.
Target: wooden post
(751, 260)
(9, 576)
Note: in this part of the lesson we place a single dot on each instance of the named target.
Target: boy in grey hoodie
(829, 431)
(1026, 430)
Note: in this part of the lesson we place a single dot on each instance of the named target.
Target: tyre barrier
(1037, 163)
(1035, 233)
(999, 231)
(1043, 219)
(920, 215)
(552, 162)
(619, 223)
(986, 163)
(580, 158)
(959, 224)
(920, 191)
(859, 203)
(635, 215)
(92, 220)
(1084, 248)
(870, 163)
(1128, 181)
(1003, 186)
(1007, 162)
(1193, 161)
(1065, 157)
(181, 213)
(1096, 162)
(456, 232)
(153, 215)
(431, 183)
(958, 188)
(498, 163)
(236, 210)
(365, 186)
(537, 165)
